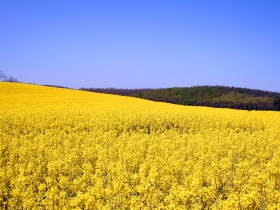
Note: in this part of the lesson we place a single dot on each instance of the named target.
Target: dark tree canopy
(212, 96)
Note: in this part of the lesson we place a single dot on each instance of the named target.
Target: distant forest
(211, 96)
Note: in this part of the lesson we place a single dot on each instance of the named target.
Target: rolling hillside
(71, 149)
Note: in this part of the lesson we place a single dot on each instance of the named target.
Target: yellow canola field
(69, 149)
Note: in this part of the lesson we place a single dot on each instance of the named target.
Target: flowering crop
(69, 149)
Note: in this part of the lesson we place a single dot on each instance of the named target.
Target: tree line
(211, 96)
(115, 91)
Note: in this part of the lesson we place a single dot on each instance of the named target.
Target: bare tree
(6, 78)
(11, 79)
(3, 76)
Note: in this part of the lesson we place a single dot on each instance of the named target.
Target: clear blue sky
(142, 43)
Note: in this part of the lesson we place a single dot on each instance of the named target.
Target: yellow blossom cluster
(70, 149)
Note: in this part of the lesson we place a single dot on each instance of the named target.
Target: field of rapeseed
(69, 149)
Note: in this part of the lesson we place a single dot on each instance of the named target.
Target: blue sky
(142, 44)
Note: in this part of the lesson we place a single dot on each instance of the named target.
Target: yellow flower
(69, 149)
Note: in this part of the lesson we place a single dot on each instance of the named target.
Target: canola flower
(69, 149)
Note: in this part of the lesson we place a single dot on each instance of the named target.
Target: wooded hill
(212, 96)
